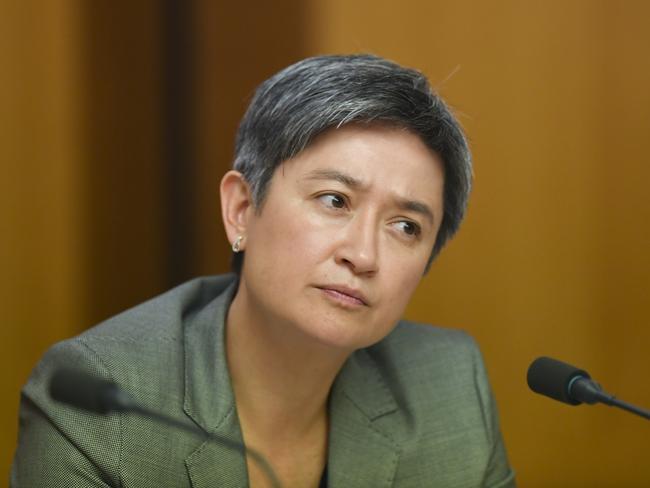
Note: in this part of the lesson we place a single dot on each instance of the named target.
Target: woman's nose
(359, 247)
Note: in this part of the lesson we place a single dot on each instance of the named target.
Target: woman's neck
(281, 377)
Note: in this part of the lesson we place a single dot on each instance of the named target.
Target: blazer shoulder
(162, 315)
(412, 344)
(141, 349)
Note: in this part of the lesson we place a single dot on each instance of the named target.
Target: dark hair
(300, 102)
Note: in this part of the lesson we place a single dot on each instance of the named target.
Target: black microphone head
(87, 392)
(554, 378)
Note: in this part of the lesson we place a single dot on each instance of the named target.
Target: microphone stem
(615, 402)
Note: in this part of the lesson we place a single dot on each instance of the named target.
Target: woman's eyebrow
(417, 207)
(336, 175)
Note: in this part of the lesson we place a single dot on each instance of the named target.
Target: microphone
(568, 384)
(87, 392)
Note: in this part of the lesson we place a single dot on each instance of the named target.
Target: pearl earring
(236, 246)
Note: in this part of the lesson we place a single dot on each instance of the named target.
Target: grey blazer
(414, 410)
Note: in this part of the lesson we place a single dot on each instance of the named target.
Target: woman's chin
(339, 336)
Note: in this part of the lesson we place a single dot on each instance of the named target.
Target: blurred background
(117, 121)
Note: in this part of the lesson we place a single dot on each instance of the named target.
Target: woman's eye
(333, 200)
(409, 228)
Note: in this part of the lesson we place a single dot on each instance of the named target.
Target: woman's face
(344, 235)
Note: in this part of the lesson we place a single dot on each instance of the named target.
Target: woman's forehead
(363, 158)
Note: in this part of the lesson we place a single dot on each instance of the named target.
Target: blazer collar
(208, 397)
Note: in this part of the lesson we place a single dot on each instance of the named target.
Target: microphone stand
(612, 401)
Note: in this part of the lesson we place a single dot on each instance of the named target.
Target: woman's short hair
(290, 109)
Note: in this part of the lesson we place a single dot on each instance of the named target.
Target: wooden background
(553, 258)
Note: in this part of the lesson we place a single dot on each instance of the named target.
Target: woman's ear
(236, 204)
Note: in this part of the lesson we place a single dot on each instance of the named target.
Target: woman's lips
(345, 295)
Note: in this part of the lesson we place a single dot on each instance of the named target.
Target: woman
(350, 175)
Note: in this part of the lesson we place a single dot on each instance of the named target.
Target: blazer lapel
(209, 399)
(363, 450)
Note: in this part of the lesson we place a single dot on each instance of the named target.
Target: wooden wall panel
(125, 173)
(40, 220)
(39, 197)
(238, 45)
(82, 187)
(86, 188)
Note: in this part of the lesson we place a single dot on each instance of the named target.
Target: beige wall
(39, 194)
(551, 260)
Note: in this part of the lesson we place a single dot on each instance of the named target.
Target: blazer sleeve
(498, 473)
(59, 446)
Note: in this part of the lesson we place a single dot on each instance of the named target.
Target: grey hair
(290, 109)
